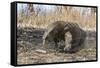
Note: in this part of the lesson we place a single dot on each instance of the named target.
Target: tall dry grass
(41, 21)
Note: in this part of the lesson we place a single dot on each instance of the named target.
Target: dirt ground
(31, 51)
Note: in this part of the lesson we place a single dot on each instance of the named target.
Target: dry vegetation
(32, 27)
(39, 20)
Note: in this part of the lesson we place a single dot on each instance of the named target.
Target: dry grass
(34, 57)
(41, 21)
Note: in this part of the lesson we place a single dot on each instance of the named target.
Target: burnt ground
(31, 51)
